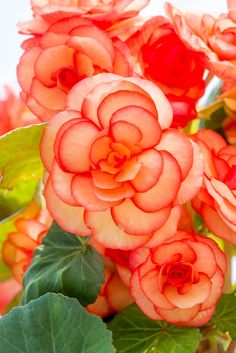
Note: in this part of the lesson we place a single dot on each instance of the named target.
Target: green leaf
(64, 263)
(53, 324)
(13, 200)
(225, 314)
(133, 332)
(19, 155)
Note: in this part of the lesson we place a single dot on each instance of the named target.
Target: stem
(232, 347)
(228, 248)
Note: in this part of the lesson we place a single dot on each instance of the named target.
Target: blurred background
(13, 11)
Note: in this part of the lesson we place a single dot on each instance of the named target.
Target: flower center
(179, 273)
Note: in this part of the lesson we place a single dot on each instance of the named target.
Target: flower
(69, 51)
(8, 291)
(179, 281)
(13, 113)
(113, 296)
(165, 60)
(115, 169)
(216, 200)
(214, 38)
(102, 13)
(18, 248)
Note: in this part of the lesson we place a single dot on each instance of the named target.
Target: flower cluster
(123, 162)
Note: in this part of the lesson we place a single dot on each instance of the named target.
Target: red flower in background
(216, 200)
(180, 281)
(70, 50)
(165, 60)
(13, 113)
(214, 38)
(116, 171)
(102, 13)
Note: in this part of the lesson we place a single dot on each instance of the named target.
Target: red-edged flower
(69, 51)
(180, 281)
(214, 38)
(18, 248)
(216, 200)
(165, 60)
(116, 170)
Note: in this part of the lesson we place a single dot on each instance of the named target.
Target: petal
(164, 252)
(68, 217)
(104, 180)
(25, 69)
(48, 97)
(83, 192)
(216, 225)
(61, 183)
(167, 231)
(107, 233)
(179, 316)
(135, 221)
(117, 294)
(196, 294)
(201, 318)
(129, 170)
(165, 190)
(50, 61)
(49, 135)
(180, 147)
(121, 99)
(74, 146)
(143, 120)
(191, 184)
(217, 287)
(140, 298)
(150, 286)
(205, 258)
(100, 149)
(151, 168)
(116, 194)
(125, 132)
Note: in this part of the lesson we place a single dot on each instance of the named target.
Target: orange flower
(13, 113)
(165, 60)
(216, 200)
(116, 170)
(180, 281)
(18, 248)
(214, 38)
(70, 50)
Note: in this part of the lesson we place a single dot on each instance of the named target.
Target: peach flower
(18, 248)
(214, 38)
(70, 50)
(216, 200)
(180, 281)
(102, 12)
(113, 297)
(116, 170)
(13, 113)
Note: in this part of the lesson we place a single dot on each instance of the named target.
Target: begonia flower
(216, 200)
(70, 50)
(179, 281)
(165, 60)
(18, 248)
(213, 37)
(116, 170)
